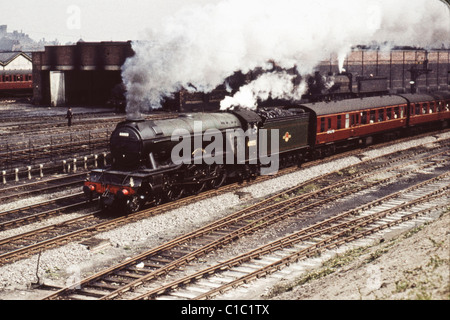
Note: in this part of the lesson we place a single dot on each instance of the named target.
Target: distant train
(143, 168)
(320, 87)
(16, 82)
(344, 86)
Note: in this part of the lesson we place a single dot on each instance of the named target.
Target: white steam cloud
(200, 46)
(276, 85)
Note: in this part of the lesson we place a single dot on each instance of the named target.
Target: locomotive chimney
(135, 117)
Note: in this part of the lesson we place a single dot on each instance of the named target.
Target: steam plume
(200, 46)
(276, 85)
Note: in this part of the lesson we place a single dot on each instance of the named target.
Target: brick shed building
(395, 65)
(85, 73)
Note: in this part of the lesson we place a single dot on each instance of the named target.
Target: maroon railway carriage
(360, 121)
(428, 110)
(16, 81)
(357, 121)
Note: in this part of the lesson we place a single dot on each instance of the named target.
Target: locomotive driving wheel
(197, 173)
(198, 187)
(218, 172)
(134, 204)
(156, 199)
(173, 190)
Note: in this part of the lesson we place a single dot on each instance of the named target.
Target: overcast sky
(96, 20)
(91, 20)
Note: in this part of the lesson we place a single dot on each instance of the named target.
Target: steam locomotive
(144, 169)
(344, 86)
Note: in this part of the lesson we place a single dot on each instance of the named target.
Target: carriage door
(347, 120)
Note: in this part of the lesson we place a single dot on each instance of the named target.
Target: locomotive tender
(143, 167)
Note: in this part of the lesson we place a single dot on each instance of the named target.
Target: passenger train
(143, 170)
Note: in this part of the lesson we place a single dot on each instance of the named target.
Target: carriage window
(432, 107)
(354, 119)
(347, 120)
(322, 124)
(339, 124)
(417, 112)
(401, 111)
(388, 114)
(372, 116)
(329, 123)
(438, 106)
(363, 117)
(424, 108)
(380, 115)
(396, 112)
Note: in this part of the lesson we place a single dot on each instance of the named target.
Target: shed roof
(7, 57)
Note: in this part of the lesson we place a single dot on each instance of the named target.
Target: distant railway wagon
(15, 82)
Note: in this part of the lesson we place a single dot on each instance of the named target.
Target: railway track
(297, 204)
(58, 124)
(47, 148)
(41, 187)
(27, 143)
(309, 242)
(21, 246)
(22, 216)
